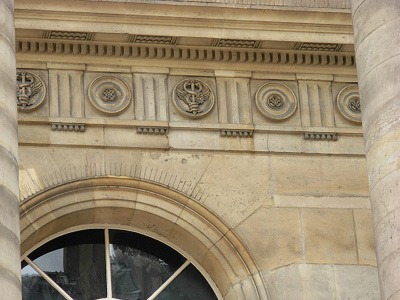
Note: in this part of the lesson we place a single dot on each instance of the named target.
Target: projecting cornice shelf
(210, 54)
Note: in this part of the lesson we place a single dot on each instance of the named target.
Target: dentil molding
(241, 53)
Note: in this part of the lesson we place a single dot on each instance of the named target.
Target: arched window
(110, 264)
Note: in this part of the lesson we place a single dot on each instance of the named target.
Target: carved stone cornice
(293, 4)
(68, 35)
(232, 43)
(313, 24)
(152, 39)
(318, 47)
(210, 54)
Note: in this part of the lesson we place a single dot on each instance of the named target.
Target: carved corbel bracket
(68, 127)
(318, 136)
(236, 133)
(152, 130)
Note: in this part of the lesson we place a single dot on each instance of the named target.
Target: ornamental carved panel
(31, 91)
(276, 101)
(193, 98)
(109, 94)
(348, 103)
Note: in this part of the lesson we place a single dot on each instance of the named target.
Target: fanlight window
(110, 264)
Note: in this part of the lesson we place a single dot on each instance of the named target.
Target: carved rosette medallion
(31, 91)
(355, 105)
(109, 94)
(348, 103)
(193, 98)
(276, 101)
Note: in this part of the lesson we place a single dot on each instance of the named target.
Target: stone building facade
(229, 131)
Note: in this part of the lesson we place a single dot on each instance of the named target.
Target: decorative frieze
(109, 94)
(318, 136)
(169, 98)
(193, 98)
(230, 43)
(75, 127)
(153, 39)
(68, 35)
(152, 130)
(31, 91)
(276, 101)
(184, 53)
(348, 103)
(318, 47)
(236, 133)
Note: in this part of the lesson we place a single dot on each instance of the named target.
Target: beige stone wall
(299, 206)
(269, 205)
(306, 221)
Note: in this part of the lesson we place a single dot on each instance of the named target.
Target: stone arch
(151, 209)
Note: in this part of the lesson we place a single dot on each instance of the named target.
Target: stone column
(377, 43)
(10, 263)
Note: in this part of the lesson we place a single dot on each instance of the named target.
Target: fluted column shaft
(377, 43)
(10, 266)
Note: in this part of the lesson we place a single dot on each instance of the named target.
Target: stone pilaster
(10, 267)
(377, 44)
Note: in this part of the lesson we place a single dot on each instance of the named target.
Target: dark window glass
(189, 285)
(35, 287)
(139, 264)
(76, 262)
(91, 236)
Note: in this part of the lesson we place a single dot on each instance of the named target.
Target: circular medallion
(276, 101)
(348, 103)
(109, 94)
(31, 91)
(193, 98)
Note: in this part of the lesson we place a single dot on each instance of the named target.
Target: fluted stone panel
(316, 103)
(10, 281)
(377, 44)
(234, 100)
(66, 94)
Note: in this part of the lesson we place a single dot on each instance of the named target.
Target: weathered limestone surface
(325, 282)
(377, 45)
(281, 242)
(10, 282)
(281, 219)
(266, 193)
(290, 200)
